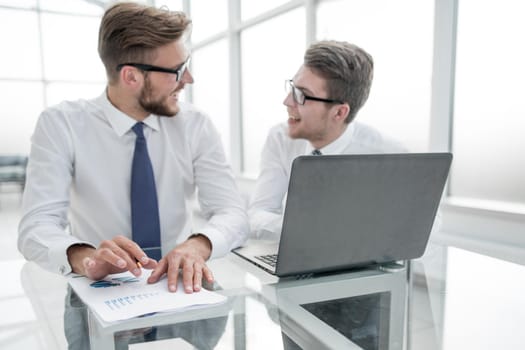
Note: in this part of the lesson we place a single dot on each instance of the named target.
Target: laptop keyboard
(270, 259)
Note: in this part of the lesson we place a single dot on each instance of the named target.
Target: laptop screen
(354, 210)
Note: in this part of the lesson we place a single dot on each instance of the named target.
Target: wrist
(76, 254)
(205, 243)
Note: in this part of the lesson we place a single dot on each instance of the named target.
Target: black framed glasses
(300, 97)
(179, 72)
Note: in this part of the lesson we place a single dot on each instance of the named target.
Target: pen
(139, 265)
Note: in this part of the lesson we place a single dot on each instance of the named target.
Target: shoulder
(69, 112)
(58, 126)
(372, 140)
(187, 109)
(192, 124)
(68, 107)
(278, 134)
(190, 116)
(279, 146)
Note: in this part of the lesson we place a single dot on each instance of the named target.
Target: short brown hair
(130, 32)
(348, 71)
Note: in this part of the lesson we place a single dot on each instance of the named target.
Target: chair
(13, 170)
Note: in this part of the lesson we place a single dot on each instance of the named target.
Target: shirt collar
(120, 121)
(337, 146)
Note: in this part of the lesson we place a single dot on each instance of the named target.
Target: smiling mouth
(175, 94)
(177, 90)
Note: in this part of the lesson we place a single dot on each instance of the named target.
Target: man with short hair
(323, 100)
(122, 167)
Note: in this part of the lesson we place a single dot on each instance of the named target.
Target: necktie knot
(316, 152)
(138, 129)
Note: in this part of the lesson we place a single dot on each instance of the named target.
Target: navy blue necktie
(316, 152)
(145, 223)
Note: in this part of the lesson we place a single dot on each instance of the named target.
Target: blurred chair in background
(13, 170)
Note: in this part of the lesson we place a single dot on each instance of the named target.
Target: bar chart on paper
(123, 296)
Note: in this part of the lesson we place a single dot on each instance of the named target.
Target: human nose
(288, 100)
(187, 78)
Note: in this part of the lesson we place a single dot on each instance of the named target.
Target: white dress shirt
(79, 173)
(266, 203)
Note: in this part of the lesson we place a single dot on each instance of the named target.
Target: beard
(158, 105)
(315, 132)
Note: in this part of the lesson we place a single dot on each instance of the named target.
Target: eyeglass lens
(297, 94)
(182, 69)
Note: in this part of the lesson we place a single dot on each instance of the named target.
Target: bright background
(244, 50)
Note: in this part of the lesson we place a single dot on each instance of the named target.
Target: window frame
(473, 224)
(467, 223)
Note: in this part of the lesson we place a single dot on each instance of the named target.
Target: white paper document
(123, 296)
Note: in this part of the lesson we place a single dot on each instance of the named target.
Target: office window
(19, 3)
(57, 92)
(211, 88)
(209, 17)
(20, 57)
(72, 6)
(399, 36)
(71, 54)
(52, 57)
(488, 143)
(271, 52)
(21, 104)
(250, 8)
(173, 5)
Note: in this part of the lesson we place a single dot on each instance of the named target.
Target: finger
(158, 271)
(90, 269)
(132, 249)
(197, 277)
(207, 274)
(116, 256)
(150, 264)
(173, 273)
(89, 263)
(106, 253)
(187, 275)
(96, 269)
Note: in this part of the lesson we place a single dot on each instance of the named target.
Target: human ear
(342, 111)
(130, 76)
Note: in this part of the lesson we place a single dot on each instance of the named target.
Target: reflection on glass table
(456, 300)
(363, 318)
(361, 309)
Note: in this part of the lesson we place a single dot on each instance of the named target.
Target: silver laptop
(350, 211)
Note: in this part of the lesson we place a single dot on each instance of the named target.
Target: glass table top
(454, 299)
(360, 309)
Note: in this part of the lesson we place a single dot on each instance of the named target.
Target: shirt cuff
(58, 255)
(265, 225)
(219, 245)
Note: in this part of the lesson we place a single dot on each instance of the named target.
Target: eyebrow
(304, 89)
(180, 64)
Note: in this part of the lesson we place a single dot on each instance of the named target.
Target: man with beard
(322, 101)
(91, 161)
